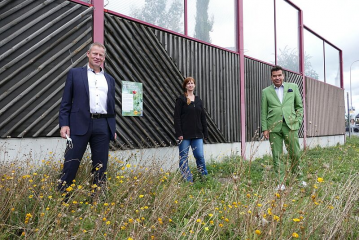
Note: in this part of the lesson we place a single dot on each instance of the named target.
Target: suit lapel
(85, 79)
(273, 93)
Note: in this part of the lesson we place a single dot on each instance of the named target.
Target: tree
(156, 12)
(203, 24)
(289, 59)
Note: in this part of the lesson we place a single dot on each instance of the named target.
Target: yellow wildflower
(295, 235)
(258, 232)
(296, 219)
(319, 179)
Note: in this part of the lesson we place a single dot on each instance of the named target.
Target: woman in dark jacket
(190, 128)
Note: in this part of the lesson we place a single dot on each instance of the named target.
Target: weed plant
(238, 200)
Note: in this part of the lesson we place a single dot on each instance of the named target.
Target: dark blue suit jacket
(75, 104)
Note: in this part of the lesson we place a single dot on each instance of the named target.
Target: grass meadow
(237, 201)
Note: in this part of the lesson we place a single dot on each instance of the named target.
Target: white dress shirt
(98, 91)
(279, 91)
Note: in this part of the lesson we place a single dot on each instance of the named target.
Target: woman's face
(190, 86)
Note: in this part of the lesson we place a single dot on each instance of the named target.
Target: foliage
(203, 25)
(158, 13)
(237, 201)
(289, 59)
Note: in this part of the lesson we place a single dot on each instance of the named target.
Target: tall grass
(237, 201)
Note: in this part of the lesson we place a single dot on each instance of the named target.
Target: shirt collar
(90, 69)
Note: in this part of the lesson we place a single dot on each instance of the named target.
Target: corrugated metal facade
(42, 39)
(136, 54)
(325, 109)
(258, 77)
(217, 74)
(40, 42)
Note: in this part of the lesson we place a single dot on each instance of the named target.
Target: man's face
(96, 57)
(277, 78)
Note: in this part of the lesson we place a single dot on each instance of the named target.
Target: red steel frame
(301, 69)
(98, 21)
(240, 49)
(98, 36)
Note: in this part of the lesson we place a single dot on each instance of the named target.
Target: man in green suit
(281, 118)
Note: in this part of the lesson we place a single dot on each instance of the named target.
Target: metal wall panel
(258, 77)
(135, 54)
(40, 41)
(325, 109)
(217, 74)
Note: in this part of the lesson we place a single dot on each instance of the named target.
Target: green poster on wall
(132, 99)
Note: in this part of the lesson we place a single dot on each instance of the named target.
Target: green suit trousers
(290, 138)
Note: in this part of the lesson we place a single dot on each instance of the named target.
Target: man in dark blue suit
(87, 115)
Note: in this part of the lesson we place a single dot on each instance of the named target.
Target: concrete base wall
(38, 149)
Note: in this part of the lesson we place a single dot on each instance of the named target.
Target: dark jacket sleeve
(177, 117)
(204, 123)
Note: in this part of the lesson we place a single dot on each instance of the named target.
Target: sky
(338, 22)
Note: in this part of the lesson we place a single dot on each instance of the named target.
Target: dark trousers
(98, 135)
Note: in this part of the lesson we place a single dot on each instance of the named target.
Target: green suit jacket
(273, 111)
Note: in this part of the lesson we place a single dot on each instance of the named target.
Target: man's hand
(180, 138)
(266, 134)
(115, 136)
(65, 130)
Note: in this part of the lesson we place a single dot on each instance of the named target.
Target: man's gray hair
(97, 44)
